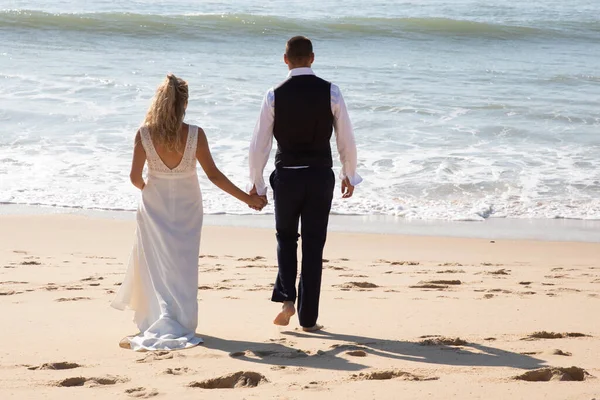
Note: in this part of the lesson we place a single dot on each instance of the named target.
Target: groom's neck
(291, 67)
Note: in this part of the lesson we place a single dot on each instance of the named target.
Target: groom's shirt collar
(300, 71)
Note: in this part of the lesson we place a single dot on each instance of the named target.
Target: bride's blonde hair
(165, 115)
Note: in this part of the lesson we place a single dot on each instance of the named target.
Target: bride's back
(172, 158)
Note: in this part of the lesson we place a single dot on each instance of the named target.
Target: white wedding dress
(161, 283)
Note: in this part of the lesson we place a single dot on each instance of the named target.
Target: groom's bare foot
(283, 318)
(314, 328)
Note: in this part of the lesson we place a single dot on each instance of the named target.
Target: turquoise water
(463, 110)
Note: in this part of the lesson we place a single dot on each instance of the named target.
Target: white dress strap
(191, 146)
(147, 142)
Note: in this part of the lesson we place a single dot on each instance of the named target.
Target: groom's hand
(347, 188)
(253, 192)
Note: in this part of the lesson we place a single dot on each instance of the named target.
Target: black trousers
(301, 195)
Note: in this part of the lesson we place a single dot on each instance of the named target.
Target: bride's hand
(257, 202)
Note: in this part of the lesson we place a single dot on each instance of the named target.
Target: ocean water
(463, 110)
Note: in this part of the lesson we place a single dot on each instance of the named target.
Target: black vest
(303, 122)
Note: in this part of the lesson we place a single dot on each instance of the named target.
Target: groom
(301, 114)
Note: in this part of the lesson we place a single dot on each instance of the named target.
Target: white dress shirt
(262, 140)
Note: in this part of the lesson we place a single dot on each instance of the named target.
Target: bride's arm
(137, 164)
(221, 181)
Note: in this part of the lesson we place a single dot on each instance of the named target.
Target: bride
(161, 282)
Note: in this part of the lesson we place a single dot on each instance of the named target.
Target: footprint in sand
(55, 366)
(217, 269)
(93, 279)
(450, 264)
(30, 263)
(451, 271)
(444, 282)
(347, 347)
(390, 374)
(434, 340)
(554, 335)
(336, 268)
(242, 379)
(276, 354)
(141, 392)
(423, 285)
(357, 285)
(258, 288)
(253, 259)
(357, 353)
(554, 374)
(217, 287)
(279, 340)
(100, 258)
(178, 371)
(90, 382)
(559, 352)
(314, 385)
(499, 272)
(404, 263)
(505, 291)
(66, 299)
(159, 355)
(557, 276)
(564, 289)
(257, 266)
(6, 292)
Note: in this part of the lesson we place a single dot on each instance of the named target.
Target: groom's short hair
(298, 49)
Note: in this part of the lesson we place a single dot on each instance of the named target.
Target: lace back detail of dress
(188, 161)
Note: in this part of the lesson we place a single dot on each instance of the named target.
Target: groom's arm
(262, 142)
(346, 144)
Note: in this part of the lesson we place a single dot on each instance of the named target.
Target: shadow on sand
(278, 353)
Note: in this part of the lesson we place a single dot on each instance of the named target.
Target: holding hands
(255, 201)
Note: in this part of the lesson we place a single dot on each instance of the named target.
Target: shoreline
(559, 230)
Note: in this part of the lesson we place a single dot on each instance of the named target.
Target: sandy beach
(405, 317)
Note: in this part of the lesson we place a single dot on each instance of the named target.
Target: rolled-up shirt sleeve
(261, 144)
(344, 136)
